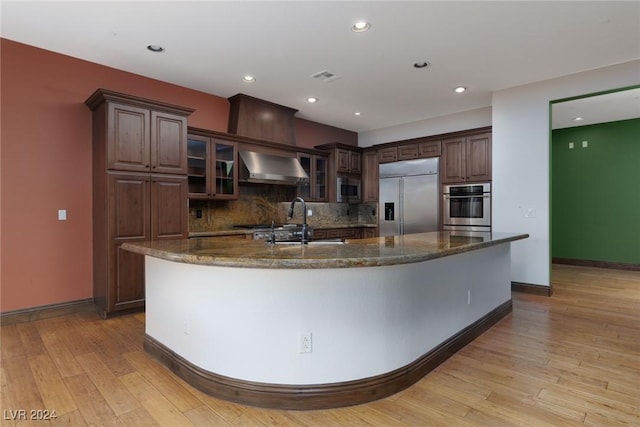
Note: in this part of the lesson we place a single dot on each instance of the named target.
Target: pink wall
(45, 164)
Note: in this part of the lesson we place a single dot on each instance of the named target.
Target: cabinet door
(304, 189)
(320, 177)
(408, 152)
(343, 161)
(453, 160)
(370, 176)
(128, 138)
(387, 155)
(129, 209)
(430, 149)
(169, 210)
(225, 170)
(198, 166)
(355, 162)
(479, 158)
(168, 143)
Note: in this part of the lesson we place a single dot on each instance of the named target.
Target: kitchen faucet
(305, 228)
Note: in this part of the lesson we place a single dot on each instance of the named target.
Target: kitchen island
(320, 325)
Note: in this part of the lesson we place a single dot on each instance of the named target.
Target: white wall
(520, 120)
(471, 119)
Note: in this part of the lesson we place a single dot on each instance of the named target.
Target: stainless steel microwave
(348, 189)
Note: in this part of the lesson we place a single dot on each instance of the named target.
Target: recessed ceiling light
(312, 99)
(248, 79)
(460, 89)
(357, 113)
(360, 26)
(421, 64)
(578, 119)
(155, 48)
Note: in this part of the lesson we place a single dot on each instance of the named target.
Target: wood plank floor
(570, 359)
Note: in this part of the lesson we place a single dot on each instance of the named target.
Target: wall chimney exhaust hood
(270, 169)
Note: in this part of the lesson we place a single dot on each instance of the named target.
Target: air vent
(324, 76)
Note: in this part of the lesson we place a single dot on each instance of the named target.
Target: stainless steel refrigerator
(409, 201)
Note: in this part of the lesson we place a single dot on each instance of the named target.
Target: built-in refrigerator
(409, 200)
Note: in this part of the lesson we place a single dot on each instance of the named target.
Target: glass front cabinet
(213, 172)
(316, 167)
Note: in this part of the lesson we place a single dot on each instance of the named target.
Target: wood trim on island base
(321, 396)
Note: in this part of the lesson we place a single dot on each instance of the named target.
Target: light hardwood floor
(569, 359)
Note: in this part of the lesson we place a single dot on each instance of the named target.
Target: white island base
(236, 332)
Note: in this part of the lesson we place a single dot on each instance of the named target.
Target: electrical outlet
(62, 214)
(309, 212)
(585, 144)
(305, 343)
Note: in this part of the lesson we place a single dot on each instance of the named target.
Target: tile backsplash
(263, 203)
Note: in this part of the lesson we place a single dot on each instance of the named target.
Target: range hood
(270, 169)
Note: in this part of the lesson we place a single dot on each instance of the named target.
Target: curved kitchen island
(320, 325)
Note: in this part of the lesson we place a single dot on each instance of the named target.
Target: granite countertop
(370, 252)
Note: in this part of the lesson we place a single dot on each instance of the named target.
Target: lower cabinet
(138, 207)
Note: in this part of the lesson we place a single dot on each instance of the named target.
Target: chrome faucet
(305, 228)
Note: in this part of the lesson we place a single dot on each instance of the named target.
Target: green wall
(596, 192)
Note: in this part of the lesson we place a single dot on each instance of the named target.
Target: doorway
(595, 179)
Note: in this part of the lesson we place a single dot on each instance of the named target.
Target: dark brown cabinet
(387, 155)
(348, 161)
(344, 161)
(317, 168)
(370, 176)
(142, 140)
(139, 190)
(466, 159)
(212, 167)
(408, 152)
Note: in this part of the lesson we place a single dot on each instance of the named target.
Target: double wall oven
(467, 207)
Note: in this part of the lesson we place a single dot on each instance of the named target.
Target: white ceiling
(210, 45)
(610, 107)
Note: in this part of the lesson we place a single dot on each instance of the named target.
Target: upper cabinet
(316, 167)
(213, 172)
(143, 140)
(348, 161)
(408, 150)
(370, 176)
(466, 159)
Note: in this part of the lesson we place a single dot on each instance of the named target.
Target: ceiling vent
(324, 76)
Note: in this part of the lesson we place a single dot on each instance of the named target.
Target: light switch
(62, 214)
(570, 145)
(585, 144)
